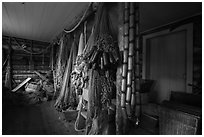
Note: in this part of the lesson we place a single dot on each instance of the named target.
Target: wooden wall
(24, 64)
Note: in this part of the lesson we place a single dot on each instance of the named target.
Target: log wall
(24, 64)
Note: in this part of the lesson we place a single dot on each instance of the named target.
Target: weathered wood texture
(24, 64)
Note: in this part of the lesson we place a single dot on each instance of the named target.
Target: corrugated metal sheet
(39, 20)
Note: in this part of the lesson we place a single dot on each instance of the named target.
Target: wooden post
(131, 58)
(8, 78)
(137, 63)
(31, 65)
(52, 57)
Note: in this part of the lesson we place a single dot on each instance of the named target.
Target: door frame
(189, 51)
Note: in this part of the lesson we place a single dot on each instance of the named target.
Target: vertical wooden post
(131, 58)
(137, 63)
(43, 59)
(31, 65)
(8, 78)
(52, 57)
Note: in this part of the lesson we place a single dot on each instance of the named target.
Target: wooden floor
(40, 119)
(43, 119)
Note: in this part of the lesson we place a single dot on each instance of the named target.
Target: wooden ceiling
(43, 21)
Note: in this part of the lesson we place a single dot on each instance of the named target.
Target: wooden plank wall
(24, 64)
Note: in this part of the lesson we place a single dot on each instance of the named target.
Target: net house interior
(97, 68)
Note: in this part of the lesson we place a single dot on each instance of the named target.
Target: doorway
(167, 59)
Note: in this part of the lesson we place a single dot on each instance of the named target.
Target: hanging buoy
(131, 35)
(126, 12)
(124, 85)
(137, 96)
(133, 98)
(137, 82)
(123, 100)
(132, 101)
(137, 70)
(126, 40)
(131, 49)
(128, 109)
(128, 94)
(129, 78)
(130, 63)
(125, 56)
(124, 113)
(137, 110)
(137, 57)
(126, 29)
(132, 19)
(132, 8)
(124, 72)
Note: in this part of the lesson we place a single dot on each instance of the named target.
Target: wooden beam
(20, 85)
(52, 57)
(31, 64)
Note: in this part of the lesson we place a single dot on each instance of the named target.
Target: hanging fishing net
(62, 57)
(101, 54)
(66, 96)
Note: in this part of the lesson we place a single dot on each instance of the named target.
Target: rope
(30, 52)
(69, 31)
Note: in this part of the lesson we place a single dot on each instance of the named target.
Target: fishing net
(66, 94)
(101, 53)
(62, 57)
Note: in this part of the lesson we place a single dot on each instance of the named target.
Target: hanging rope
(30, 52)
(85, 13)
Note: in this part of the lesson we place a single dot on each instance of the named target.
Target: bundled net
(101, 53)
(62, 57)
(66, 96)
